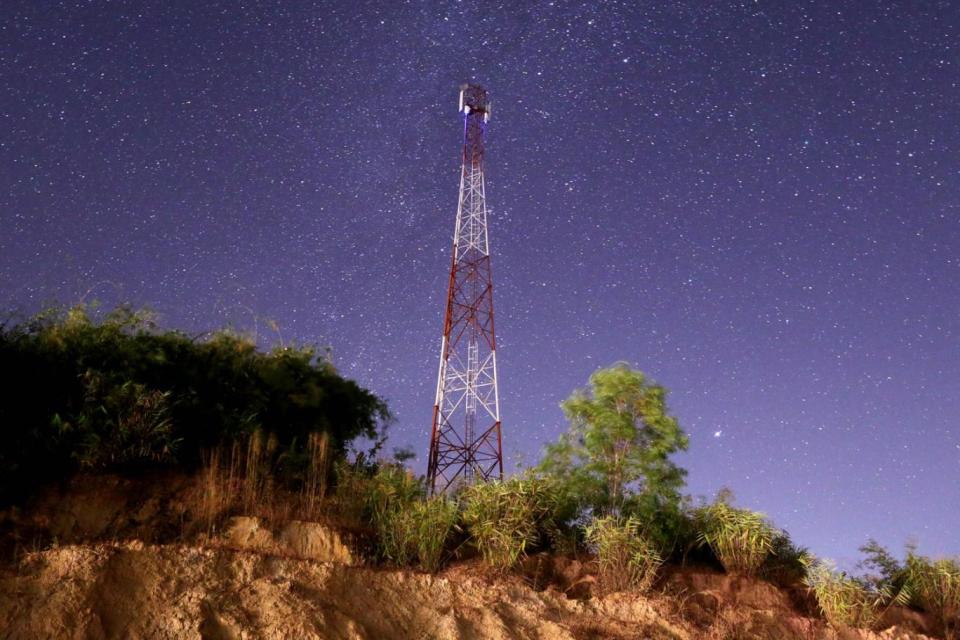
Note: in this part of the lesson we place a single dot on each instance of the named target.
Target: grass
(741, 539)
(627, 559)
(846, 600)
(936, 584)
(436, 519)
(506, 519)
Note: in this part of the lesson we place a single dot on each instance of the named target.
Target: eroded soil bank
(132, 590)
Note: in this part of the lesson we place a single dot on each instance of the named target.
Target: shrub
(846, 600)
(787, 563)
(79, 391)
(741, 539)
(506, 518)
(389, 499)
(436, 518)
(936, 584)
(627, 558)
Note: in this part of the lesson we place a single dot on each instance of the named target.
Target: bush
(436, 519)
(408, 527)
(787, 563)
(83, 392)
(627, 558)
(741, 539)
(507, 518)
(389, 498)
(845, 600)
(936, 584)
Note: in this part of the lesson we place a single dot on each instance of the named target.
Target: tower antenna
(465, 438)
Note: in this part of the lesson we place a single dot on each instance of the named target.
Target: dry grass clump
(627, 559)
(242, 478)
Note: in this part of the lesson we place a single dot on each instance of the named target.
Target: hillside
(307, 580)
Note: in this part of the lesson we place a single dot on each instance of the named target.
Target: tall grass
(247, 477)
(506, 518)
(389, 497)
(936, 584)
(846, 600)
(741, 539)
(314, 489)
(408, 526)
(436, 520)
(627, 558)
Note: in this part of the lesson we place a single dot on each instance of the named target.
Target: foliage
(436, 519)
(885, 568)
(120, 424)
(83, 391)
(507, 518)
(615, 457)
(787, 562)
(408, 526)
(936, 583)
(389, 498)
(627, 558)
(741, 539)
(846, 600)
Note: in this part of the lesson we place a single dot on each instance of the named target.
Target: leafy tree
(883, 569)
(615, 457)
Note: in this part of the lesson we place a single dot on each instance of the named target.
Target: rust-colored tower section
(465, 440)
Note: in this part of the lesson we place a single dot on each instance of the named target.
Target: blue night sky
(755, 203)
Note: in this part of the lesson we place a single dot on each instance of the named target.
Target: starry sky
(756, 203)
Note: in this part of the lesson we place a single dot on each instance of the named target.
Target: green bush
(936, 584)
(79, 391)
(846, 600)
(436, 519)
(408, 526)
(787, 563)
(627, 558)
(389, 498)
(505, 519)
(741, 539)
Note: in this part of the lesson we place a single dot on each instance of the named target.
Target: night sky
(755, 203)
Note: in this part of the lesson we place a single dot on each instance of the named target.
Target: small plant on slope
(936, 583)
(741, 539)
(628, 560)
(506, 518)
(389, 498)
(846, 600)
(436, 518)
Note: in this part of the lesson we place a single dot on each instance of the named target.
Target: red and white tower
(465, 440)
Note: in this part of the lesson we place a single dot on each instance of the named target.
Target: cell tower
(465, 440)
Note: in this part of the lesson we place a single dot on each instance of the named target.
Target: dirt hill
(301, 580)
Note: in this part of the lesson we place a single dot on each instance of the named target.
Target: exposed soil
(302, 580)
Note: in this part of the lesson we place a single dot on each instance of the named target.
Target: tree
(615, 457)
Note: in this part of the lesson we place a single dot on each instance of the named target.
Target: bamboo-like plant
(435, 518)
(741, 539)
(936, 584)
(627, 559)
(846, 600)
(506, 518)
(389, 498)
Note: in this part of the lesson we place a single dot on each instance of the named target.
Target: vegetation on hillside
(267, 434)
(614, 460)
(81, 391)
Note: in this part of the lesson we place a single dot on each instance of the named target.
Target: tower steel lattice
(465, 441)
